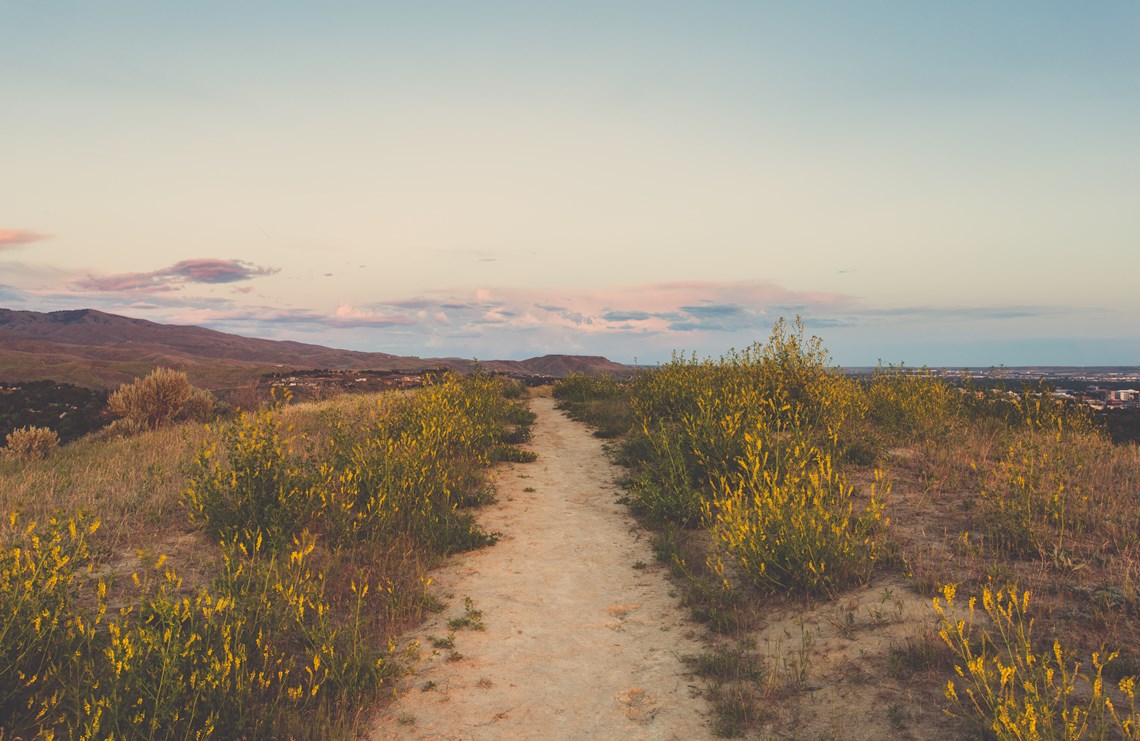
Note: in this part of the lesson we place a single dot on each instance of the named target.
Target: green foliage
(259, 648)
(320, 541)
(787, 520)
(664, 492)
(912, 405)
(744, 446)
(261, 491)
(1013, 692)
(40, 631)
(407, 476)
(600, 401)
(579, 387)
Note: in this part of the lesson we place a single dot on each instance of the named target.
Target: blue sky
(934, 183)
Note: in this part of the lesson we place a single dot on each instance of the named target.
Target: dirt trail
(578, 643)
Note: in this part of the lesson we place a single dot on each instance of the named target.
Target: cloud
(200, 270)
(626, 316)
(17, 237)
(347, 315)
(569, 316)
(963, 313)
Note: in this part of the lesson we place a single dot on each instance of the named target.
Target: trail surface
(582, 639)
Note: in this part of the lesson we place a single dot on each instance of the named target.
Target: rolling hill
(93, 348)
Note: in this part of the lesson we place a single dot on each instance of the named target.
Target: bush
(406, 473)
(259, 490)
(787, 521)
(600, 401)
(912, 405)
(163, 397)
(258, 652)
(1011, 691)
(31, 443)
(40, 634)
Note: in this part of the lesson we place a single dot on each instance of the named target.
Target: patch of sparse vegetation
(471, 618)
(769, 475)
(282, 628)
(598, 400)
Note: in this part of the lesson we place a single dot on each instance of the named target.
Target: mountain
(94, 348)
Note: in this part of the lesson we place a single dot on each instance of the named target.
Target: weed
(446, 642)
(471, 618)
(1012, 691)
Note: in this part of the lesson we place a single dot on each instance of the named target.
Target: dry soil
(581, 637)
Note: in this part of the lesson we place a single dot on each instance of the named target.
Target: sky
(929, 183)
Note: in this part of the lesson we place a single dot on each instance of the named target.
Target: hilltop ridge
(94, 348)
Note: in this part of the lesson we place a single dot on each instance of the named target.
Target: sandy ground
(577, 643)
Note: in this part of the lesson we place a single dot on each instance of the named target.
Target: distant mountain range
(92, 348)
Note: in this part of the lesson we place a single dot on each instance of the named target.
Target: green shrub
(787, 520)
(1012, 691)
(41, 634)
(403, 474)
(912, 405)
(255, 488)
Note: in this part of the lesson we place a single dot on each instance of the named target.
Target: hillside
(94, 348)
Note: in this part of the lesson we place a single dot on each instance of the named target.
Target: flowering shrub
(319, 543)
(1013, 692)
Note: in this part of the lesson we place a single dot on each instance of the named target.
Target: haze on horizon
(940, 184)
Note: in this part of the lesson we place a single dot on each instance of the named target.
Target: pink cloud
(18, 237)
(348, 315)
(173, 278)
(678, 308)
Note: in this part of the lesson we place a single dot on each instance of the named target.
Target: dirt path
(577, 643)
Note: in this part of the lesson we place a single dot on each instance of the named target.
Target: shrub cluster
(409, 475)
(261, 639)
(744, 447)
(598, 400)
(316, 535)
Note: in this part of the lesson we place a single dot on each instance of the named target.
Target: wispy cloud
(173, 278)
(646, 321)
(10, 238)
(569, 318)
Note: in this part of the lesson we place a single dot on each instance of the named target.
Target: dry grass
(134, 484)
(259, 637)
